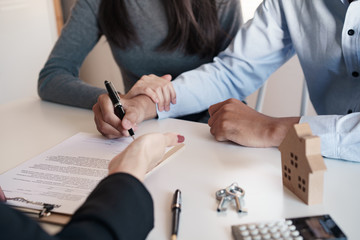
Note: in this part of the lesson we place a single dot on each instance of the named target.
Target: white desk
(30, 126)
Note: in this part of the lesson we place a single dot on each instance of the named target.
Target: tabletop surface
(30, 126)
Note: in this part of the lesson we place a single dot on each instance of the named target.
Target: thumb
(130, 119)
(167, 77)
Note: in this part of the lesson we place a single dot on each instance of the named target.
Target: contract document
(64, 175)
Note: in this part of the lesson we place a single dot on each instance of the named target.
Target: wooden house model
(302, 164)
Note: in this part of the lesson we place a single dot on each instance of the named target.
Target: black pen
(118, 108)
(176, 209)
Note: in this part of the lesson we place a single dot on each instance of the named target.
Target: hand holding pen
(108, 123)
(138, 109)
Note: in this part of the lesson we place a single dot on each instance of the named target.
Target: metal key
(223, 198)
(237, 193)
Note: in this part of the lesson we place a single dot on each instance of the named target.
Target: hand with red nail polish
(144, 154)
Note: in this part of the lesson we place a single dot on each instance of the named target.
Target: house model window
(302, 164)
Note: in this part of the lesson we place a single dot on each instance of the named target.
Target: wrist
(148, 107)
(128, 162)
(278, 129)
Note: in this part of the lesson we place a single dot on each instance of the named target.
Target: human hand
(137, 110)
(159, 89)
(2, 196)
(235, 121)
(144, 154)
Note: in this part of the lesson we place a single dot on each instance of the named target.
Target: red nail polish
(180, 138)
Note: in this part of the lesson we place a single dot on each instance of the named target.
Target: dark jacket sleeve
(15, 225)
(120, 207)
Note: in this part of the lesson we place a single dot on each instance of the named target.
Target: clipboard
(48, 217)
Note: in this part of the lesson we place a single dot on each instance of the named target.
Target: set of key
(230, 194)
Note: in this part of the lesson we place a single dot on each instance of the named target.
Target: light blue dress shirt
(325, 34)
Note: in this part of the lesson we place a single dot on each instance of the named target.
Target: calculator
(304, 228)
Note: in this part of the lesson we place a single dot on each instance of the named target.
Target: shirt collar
(346, 2)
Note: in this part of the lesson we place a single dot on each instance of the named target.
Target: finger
(134, 91)
(152, 94)
(167, 99)
(211, 121)
(2, 196)
(217, 132)
(138, 88)
(107, 112)
(214, 117)
(172, 139)
(167, 77)
(130, 119)
(125, 133)
(160, 96)
(214, 108)
(172, 94)
(104, 128)
(107, 130)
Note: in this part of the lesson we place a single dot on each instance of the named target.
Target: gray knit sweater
(59, 79)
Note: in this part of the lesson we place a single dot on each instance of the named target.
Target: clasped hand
(139, 103)
(145, 153)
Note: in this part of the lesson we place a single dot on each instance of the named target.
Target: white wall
(28, 33)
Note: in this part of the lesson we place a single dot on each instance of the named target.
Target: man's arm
(232, 120)
(339, 134)
(260, 47)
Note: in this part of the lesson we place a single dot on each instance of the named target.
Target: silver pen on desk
(118, 108)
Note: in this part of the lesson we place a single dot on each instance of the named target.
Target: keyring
(235, 190)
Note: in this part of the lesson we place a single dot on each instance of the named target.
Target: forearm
(59, 79)
(63, 88)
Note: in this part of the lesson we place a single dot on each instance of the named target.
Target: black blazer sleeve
(120, 207)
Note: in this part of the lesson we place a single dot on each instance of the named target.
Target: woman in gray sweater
(145, 36)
